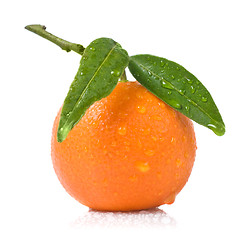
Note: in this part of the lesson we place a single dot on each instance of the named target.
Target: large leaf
(101, 66)
(179, 88)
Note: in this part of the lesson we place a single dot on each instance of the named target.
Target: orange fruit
(130, 151)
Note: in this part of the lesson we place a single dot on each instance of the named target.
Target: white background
(203, 36)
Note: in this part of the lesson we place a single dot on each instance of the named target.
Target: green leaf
(102, 64)
(179, 88)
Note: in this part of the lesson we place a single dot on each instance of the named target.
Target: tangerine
(130, 151)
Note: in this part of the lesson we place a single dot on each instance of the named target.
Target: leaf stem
(124, 77)
(63, 44)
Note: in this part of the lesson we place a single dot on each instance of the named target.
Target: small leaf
(102, 64)
(179, 88)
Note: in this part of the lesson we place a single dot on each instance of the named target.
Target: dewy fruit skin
(130, 151)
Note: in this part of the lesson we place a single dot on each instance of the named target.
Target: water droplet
(145, 131)
(158, 118)
(92, 48)
(139, 95)
(187, 108)
(122, 130)
(204, 99)
(182, 91)
(172, 76)
(174, 104)
(170, 199)
(149, 73)
(162, 63)
(81, 73)
(116, 73)
(141, 109)
(189, 80)
(169, 93)
(68, 114)
(133, 178)
(193, 90)
(105, 152)
(178, 162)
(166, 84)
(178, 68)
(161, 103)
(161, 139)
(218, 129)
(212, 126)
(177, 176)
(149, 152)
(142, 166)
(139, 143)
(192, 102)
(154, 138)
